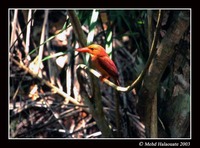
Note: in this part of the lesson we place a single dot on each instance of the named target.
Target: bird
(101, 62)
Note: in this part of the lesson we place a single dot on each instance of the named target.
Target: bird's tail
(115, 80)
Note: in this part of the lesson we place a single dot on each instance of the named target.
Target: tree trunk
(147, 106)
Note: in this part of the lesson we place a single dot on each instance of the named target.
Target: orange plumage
(101, 62)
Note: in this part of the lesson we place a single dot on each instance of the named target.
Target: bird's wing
(107, 64)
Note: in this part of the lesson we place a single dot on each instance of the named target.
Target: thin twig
(77, 28)
(86, 127)
(57, 116)
(12, 44)
(150, 27)
(95, 73)
(22, 66)
(148, 98)
(28, 31)
(13, 34)
(42, 38)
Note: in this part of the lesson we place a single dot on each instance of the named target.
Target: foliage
(45, 99)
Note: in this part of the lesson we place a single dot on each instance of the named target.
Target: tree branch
(77, 28)
(66, 96)
(96, 108)
(147, 102)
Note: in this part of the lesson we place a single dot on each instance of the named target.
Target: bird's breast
(96, 64)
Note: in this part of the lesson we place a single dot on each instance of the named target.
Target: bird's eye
(92, 48)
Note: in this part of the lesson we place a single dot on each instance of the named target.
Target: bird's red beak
(84, 49)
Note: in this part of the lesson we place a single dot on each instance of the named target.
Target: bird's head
(94, 50)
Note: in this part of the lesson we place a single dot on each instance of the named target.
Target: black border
(91, 4)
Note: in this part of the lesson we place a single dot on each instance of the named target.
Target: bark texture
(147, 106)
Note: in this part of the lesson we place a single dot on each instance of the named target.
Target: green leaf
(53, 56)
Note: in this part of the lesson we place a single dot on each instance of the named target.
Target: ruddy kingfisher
(101, 62)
